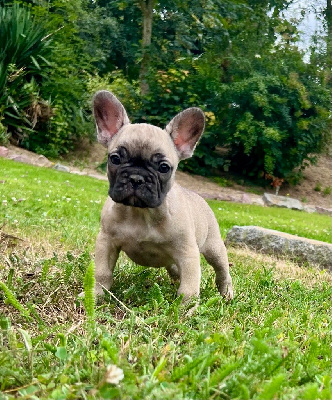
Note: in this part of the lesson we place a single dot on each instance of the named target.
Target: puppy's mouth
(135, 201)
(136, 190)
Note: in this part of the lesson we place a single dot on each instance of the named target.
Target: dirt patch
(316, 186)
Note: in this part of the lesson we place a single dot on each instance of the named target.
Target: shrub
(269, 125)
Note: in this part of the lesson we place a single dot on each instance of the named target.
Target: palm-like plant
(24, 48)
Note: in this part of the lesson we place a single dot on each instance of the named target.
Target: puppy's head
(142, 158)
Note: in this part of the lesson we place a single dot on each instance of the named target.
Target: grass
(270, 342)
(312, 226)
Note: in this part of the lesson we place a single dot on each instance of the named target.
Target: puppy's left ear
(185, 130)
(110, 116)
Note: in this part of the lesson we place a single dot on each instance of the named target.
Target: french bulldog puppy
(147, 215)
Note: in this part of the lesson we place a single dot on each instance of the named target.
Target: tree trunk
(329, 31)
(147, 12)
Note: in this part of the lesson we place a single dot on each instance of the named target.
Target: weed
(12, 300)
(89, 296)
(223, 182)
(327, 191)
(318, 187)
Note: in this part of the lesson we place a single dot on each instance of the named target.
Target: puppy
(147, 215)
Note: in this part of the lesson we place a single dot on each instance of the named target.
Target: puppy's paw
(98, 292)
(189, 306)
(226, 288)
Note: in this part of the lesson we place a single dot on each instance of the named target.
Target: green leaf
(61, 353)
(35, 62)
(26, 339)
(271, 388)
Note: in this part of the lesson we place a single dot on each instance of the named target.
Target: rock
(3, 151)
(322, 210)
(20, 158)
(272, 200)
(43, 161)
(309, 209)
(279, 243)
(60, 167)
(224, 197)
(245, 199)
(258, 201)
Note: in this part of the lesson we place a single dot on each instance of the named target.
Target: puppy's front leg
(106, 256)
(190, 274)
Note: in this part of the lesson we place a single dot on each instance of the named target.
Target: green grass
(270, 342)
(313, 226)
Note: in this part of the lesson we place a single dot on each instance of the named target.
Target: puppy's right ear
(110, 116)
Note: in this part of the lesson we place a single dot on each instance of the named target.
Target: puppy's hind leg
(215, 253)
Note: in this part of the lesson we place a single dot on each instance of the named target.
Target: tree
(147, 12)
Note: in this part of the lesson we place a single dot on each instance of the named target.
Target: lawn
(270, 342)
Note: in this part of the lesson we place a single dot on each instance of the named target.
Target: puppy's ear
(109, 114)
(185, 129)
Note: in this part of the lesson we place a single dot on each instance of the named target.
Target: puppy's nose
(136, 180)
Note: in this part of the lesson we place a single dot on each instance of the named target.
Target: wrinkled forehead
(144, 140)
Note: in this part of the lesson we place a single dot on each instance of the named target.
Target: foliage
(280, 126)
(24, 49)
(174, 90)
(271, 108)
(65, 87)
(271, 342)
(118, 84)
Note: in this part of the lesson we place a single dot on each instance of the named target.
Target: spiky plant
(24, 48)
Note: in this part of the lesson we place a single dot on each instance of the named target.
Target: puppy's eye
(164, 168)
(115, 159)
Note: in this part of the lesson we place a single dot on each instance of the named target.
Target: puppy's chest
(148, 246)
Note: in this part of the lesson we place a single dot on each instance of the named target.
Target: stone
(60, 167)
(43, 161)
(3, 151)
(309, 209)
(272, 200)
(20, 158)
(258, 201)
(268, 241)
(245, 199)
(224, 197)
(322, 210)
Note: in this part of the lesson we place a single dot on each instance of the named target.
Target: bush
(267, 124)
